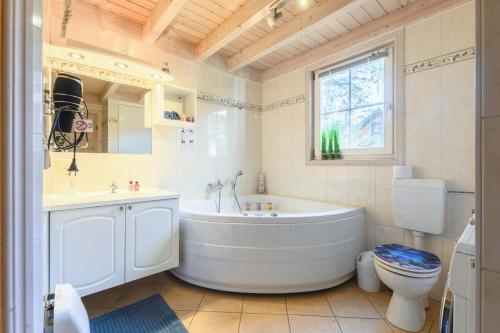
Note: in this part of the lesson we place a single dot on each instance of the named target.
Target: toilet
(411, 273)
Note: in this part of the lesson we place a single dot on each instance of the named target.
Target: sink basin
(85, 199)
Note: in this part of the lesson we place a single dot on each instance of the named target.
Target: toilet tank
(419, 204)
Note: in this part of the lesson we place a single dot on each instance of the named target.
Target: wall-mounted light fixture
(77, 56)
(121, 65)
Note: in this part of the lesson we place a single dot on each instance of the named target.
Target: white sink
(85, 199)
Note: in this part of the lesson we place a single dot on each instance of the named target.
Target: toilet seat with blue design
(407, 259)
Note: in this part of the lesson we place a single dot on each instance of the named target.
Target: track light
(303, 4)
(272, 20)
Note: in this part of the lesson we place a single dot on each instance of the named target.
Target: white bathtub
(308, 246)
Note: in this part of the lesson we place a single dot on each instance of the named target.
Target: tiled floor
(343, 309)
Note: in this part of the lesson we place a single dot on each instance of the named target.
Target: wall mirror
(116, 94)
(118, 114)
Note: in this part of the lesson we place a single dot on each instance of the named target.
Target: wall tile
(458, 132)
(388, 235)
(423, 39)
(459, 90)
(425, 164)
(337, 175)
(458, 28)
(423, 91)
(383, 207)
(383, 177)
(362, 176)
(458, 170)
(338, 195)
(458, 211)
(423, 131)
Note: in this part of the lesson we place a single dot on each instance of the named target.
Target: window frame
(392, 153)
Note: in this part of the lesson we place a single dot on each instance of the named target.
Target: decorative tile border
(443, 60)
(228, 102)
(285, 102)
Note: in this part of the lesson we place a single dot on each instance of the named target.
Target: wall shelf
(174, 98)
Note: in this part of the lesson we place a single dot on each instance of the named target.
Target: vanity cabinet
(86, 248)
(148, 225)
(97, 248)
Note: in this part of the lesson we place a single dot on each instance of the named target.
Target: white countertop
(62, 201)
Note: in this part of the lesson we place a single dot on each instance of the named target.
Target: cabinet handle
(121, 207)
(129, 207)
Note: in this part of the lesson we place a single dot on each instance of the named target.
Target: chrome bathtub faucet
(217, 186)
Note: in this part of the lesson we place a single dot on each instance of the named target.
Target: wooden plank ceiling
(237, 30)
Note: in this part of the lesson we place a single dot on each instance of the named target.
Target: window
(355, 99)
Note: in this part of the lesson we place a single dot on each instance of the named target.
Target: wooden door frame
(21, 166)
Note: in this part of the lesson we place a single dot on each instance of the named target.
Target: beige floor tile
(186, 316)
(138, 293)
(106, 298)
(313, 324)
(93, 312)
(380, 301)
(215, 322)
(312, 304)
(361, 325)
(426, 329)
(221, 301)
(264, 304)
(183, 297)
(263, 323)
(350, 301)
(160, 279)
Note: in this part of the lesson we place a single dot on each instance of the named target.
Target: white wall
(228, 139)
(439, 138)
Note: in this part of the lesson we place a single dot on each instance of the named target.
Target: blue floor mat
(151, 315)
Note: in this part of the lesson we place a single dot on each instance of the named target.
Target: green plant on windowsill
(330, 142)
(336, 144)
(324, 141)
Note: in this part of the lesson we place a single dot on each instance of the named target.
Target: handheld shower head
(239, 173)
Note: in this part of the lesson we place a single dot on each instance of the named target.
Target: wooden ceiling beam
(289, 31)
(398, 19)
(251, 13)
(162, 16)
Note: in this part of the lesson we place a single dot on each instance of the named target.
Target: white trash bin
(367, 276)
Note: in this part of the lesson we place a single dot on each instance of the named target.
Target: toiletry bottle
(130, 186)
(136, 186)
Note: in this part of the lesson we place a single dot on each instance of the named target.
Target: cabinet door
(87, 248)
(152, 235)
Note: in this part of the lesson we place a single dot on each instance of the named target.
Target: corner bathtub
(308, 246)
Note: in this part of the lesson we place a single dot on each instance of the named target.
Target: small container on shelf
(136, 186)
(130, 186)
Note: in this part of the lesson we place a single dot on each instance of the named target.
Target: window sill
(390, 161)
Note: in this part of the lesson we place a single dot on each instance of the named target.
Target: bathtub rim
(337, 212)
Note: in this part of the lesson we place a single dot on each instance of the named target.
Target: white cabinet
(86, 248)
(97, 248)
(148, 225)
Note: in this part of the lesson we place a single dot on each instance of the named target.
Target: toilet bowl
(411, 274)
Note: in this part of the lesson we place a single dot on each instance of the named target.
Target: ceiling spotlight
(303, 4)
(121, 65)
(274, 18)
(77, 56)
